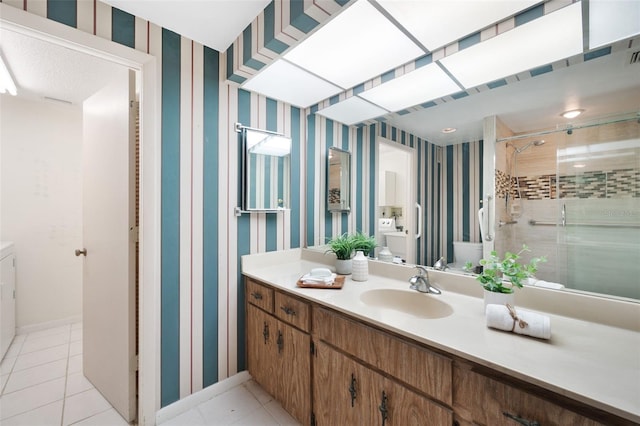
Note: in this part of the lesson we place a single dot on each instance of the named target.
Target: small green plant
(364, 243)
(495, 271)
(342, 246)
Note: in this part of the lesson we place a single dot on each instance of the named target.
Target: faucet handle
(423, 270)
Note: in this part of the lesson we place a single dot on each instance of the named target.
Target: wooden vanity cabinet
(278, 354)
(346, 392)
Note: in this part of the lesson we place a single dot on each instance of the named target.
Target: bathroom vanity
(376, 352)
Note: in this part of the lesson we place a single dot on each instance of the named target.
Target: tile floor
(42, 384)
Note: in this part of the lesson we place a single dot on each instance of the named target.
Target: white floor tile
(16, 345)
(7, 365)
(189, 418)
(48, 415)
(41, 357)
(48, 332)
(229, 407)
(261, 395)
(106, 418)
(44, 342)
(27, 399)
(83, 405)
(258, 417)
(75, 348)
(282, 417)
(77, 383)
(3, 381)
(75, 364)
(76, 325)
(33, 376)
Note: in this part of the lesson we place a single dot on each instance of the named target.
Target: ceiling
(601, 86)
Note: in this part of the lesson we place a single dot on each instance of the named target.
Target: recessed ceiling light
(579, 166)
(449, 130)
(552, 37)
(572, 113)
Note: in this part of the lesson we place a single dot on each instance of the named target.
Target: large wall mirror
(266, 170)
(338, 180)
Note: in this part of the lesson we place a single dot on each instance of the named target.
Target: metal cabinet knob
(81, 252)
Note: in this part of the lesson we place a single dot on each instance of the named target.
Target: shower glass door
(598, 208)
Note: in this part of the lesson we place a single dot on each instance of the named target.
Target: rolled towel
(548, 284)
(505, 317)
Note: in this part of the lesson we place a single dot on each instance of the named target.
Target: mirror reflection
(574, 195)
(339, 180)
(267, 162)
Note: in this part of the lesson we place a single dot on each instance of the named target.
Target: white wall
(41, 206)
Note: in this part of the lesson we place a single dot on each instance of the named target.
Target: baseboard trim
(25, 329)
(195, 399)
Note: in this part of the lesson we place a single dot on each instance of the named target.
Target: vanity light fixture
(449, 130)
(6, 81)
(572, 113)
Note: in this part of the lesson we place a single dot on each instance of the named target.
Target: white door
(108, 291)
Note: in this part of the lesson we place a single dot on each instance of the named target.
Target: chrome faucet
(441, 264)
(421, 282)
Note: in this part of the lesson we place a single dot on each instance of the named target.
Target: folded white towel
(505, 317)
(310, 279)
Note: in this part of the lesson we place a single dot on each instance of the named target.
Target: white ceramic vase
(343, 267)
(493, 298)
(360, 267)
(385, 255)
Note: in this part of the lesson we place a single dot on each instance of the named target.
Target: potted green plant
(343, 247)
(500, 277)
(364, 243)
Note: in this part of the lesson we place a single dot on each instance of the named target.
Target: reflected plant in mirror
(505, 275)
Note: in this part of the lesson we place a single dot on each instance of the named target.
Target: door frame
(148, 70)
(411, 199)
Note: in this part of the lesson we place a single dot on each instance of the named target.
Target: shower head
(534, 143)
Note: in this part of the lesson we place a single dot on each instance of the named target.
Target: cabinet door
(342, 389)
(262, 332)
(405, 407)
(293, 349)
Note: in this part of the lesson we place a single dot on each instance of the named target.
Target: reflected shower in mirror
(576, 200)
(266, 174)
(338, 180)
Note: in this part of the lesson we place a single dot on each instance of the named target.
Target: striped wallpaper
(202, 311)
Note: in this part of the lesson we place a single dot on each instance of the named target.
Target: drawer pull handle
(352, 389)
(383, 408)
(265, 332)
(520, 420)
(280, 341)
(257, 296)
(287, 310)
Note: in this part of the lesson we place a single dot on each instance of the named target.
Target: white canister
(360, 266)
(385, 255)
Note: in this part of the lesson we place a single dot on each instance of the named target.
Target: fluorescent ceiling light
(418, 86)
(438, 23)
(357, 45)
(6, 81)
(542, 41)
(267, 144)
(288, 83)
(353, 110)
(611, 20)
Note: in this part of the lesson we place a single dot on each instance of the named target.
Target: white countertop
(590, 362)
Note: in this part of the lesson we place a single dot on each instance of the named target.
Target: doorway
(20, 22)
(396, 199)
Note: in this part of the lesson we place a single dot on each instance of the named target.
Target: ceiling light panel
(357, 45)
(555, 36)
(418, 86)
(288, 83)
(610, 21)
(438, 23)
(352, 111)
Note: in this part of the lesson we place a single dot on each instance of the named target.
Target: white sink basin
(412, 303)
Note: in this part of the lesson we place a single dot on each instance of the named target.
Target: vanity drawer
(416, 366)
(259, 295)
(480, 399)
(293, 311)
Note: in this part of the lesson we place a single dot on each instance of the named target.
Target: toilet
(397, 243)
(463, 252)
